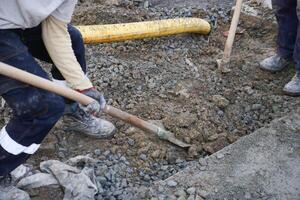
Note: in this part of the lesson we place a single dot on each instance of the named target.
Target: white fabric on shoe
(274, 63)
(293, 87)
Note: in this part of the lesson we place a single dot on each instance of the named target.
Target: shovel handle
(50, 86)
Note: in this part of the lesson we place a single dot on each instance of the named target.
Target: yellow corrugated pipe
(139, 30)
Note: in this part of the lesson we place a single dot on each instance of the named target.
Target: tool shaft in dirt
(131, 119)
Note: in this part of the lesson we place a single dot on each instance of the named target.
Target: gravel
(174, 80)
(114, 180)
(172, 183)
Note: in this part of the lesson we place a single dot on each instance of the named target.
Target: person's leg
(293, 87)
(286, 37)
(287, 26)
(35, 111)
(296, 54)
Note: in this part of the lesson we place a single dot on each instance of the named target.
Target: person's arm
(59, 46)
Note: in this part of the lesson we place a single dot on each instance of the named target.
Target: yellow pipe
(139, 30)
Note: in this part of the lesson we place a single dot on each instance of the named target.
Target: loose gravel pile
(117, 179)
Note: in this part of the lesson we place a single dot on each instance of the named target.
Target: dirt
(175, 80)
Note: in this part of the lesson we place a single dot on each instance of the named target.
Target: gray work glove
(97, 105)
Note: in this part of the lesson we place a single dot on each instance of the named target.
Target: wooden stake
(223, 64)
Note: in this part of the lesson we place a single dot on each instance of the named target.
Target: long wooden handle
(42, 83)
(50, 86)
(232, 30)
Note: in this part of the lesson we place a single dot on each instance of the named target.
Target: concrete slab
(262, 165)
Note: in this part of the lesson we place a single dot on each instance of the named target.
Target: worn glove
(97, 105)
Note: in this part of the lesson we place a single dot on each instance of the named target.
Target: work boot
(77, 120)
(9, 192)
(293, 87)
(274, 63)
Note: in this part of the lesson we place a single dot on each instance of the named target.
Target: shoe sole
(274, 71)
(94, 135)
(291, 94)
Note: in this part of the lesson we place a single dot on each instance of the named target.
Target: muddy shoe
(274, 63)
(77, 120)
(293, 87)
(9, 192)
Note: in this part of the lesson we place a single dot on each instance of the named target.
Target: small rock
(117, 192)
(202, 168)
(143, 157)
(131, 142)
(191, 197)
(247, 195)
(97, 152)
(220, 155)
(215, 146)
(202, 162)
(181, 198)
(249, 90)
(106, 153)
(220, 113)
(147, 178)
(187, 140)
(213, 137)
(198, 197)
(171, 183)
(112, 198)
(155, 154)
(171, 197)
(178, 160)
(256, 106)
(180, 193)
(124, 183)
(160, 189)
(101, 179)
(193, 151)
(191, 190)
(220, 101)
(202, 193)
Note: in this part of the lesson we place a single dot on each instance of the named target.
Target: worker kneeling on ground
(288, 43)
(39, 29)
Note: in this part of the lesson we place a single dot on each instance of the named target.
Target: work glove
(96, 106)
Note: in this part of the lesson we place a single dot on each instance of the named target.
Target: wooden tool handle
(42, 83)
(50, 86)
(232, 30)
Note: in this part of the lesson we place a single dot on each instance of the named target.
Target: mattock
(45, 84)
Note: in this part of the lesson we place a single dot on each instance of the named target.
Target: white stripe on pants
(11, 146)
